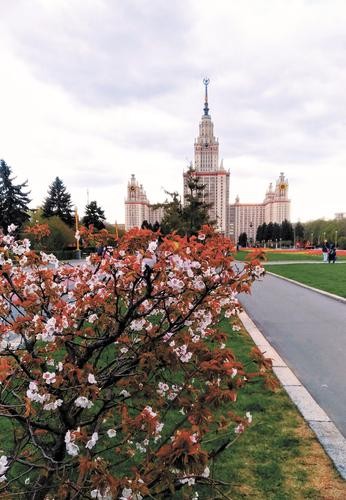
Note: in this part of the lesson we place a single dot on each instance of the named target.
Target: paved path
(309, 332)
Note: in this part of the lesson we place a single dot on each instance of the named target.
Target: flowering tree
(113, 373)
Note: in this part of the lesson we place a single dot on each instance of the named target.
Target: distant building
(340, 215)
(210, 172)
(230, 219)
(246, 217)
(138, 207)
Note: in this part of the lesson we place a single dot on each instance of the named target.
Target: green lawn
(328, 277)
(289, 256)
(278, 457)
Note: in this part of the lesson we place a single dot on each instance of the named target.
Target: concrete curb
(326, 432)
(317, 290)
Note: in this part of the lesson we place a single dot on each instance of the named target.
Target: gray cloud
(104, 54)
(276, 94)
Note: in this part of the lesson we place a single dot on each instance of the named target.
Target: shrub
(114, 373)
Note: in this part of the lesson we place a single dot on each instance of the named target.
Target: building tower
(276, 203)
(136, 204)
(210, 172)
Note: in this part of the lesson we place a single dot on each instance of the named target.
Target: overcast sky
(95, 90)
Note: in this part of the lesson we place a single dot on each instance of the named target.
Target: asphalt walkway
(308, 330)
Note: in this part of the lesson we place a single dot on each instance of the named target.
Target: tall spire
(206, 109)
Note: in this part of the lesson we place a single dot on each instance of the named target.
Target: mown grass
(278, 457)
(287, 256)
(328, 277)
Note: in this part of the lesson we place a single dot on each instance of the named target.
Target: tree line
(15, 200)
(183, 218)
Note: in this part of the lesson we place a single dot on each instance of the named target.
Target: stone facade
(246, 217)
(210, 172)
(230, 219)
(138, 207)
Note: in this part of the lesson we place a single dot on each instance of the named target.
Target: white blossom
(91, 378)
(92, 318)
(49, 377)
(190, 481)
(3, 467)
(11, 228)
(71, 448)
(48, 331)
(152, 246)
(53, 405)
(239, 429)
(206, 472)
(91, 443)
(125, 393)
(83, 402)
(137, 324)
(127, 494)
(111, 433)
(183, 354)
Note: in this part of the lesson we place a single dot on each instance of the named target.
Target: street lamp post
(77, 234)
(312, 239)
(336, 238)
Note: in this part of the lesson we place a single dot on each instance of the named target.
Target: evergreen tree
(286, 231)
(299, 231)
(276, 231)
(94, 215)
(242, 239)
(259, 233)
(264, 231)
(173, 215)
(145, 224)
(58, 202)
(13, 200)
(187, 219)
(195, 210)
(268, 235)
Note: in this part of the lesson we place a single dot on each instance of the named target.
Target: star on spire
(206, 109)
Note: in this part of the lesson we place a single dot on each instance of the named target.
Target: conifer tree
(268, 234)
(13, 200)
(287, 230)
(299, 231)
(186, 219)
(58, 202)
(173, 215)
(259, 233)
(94, 215)
(195, 210)
(276, 231)
(242, 239)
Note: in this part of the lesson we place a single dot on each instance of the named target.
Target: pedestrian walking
(325, 250)
(332, 254)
